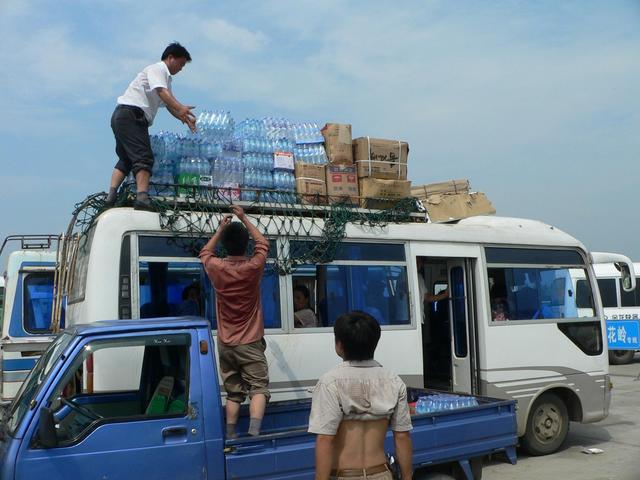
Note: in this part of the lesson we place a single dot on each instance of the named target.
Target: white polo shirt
(142, 92)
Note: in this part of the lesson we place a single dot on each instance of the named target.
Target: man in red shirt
(241, 346)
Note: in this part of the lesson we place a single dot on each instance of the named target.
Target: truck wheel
(620, 357)
(547, 425)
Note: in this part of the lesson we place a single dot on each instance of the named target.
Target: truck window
(630, 299)
(38, 302)
(120, 380)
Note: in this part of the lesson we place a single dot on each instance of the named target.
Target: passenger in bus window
(190, 301)
(499, 312)
(303, 316)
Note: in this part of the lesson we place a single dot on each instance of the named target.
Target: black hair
(176, 50)
(358, 333)
(303, 290)
(235, 238)
(188, 288)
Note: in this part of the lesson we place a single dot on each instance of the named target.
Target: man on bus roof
(135, 113)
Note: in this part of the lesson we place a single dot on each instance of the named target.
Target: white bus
(543, 354)
(26, 314)
(621, 311)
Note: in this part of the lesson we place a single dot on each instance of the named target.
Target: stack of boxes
(341, 175)
(382, 171)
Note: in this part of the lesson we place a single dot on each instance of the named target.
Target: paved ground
(618, 435)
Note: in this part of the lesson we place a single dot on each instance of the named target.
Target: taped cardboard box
(381, 169)
(446, 208)
(311, 183)
(380, 194)
(342, 183)
(311, 191)
(440, 188)
(337, 133)
(310, 170)
(379, 158)
(337, 143)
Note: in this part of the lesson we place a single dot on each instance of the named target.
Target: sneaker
(145, 206)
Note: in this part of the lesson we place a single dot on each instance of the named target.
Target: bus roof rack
(32, 242)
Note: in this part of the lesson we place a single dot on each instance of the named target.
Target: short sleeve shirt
(237, 284)
(359, 390)
(142, 92)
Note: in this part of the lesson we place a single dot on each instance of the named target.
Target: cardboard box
(310, 170)
(342, 183)
(337, 143)
(311, 191)
(337, 133)
(440, 188)
(311, 183)
(446, 208)
(341, 154)
(382, 170)
(381, 194)
(379, 158)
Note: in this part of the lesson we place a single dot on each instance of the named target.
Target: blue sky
(537, 103)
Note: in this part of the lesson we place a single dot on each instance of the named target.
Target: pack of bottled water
(233, 156)
(443, 402)
(216, 125)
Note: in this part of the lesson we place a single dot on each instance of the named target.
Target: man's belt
(360, 472)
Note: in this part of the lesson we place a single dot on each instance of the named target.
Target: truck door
(459, 315)
(126, 406)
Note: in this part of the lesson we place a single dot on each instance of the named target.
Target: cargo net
(192, 214)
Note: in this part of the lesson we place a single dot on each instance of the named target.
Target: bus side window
(630, 299)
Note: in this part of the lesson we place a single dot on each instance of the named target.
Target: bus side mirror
(47, 436)
(628, 281)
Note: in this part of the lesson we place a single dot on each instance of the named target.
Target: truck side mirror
(47, 430)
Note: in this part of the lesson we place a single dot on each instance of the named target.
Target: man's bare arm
(213, 241)
(324, 456)
(177, 109)
(253, 231)
(404, 453)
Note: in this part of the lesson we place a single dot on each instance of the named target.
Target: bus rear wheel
(620, 357)
(547, 425)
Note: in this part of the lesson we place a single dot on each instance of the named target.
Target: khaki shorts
(244, 370)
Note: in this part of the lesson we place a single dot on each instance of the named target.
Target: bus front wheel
(547, 425)
(620, 357)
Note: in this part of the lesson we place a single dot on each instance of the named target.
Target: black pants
(133, 147)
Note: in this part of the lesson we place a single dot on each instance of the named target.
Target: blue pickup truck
(141, 399)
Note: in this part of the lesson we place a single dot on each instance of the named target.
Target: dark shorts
(133, 147)
(244, 370)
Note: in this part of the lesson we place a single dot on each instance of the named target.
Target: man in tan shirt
(241, 346)
(354, 405)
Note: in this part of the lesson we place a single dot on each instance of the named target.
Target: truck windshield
(35, 379)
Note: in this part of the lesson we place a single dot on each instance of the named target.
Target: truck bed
(286, 450)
